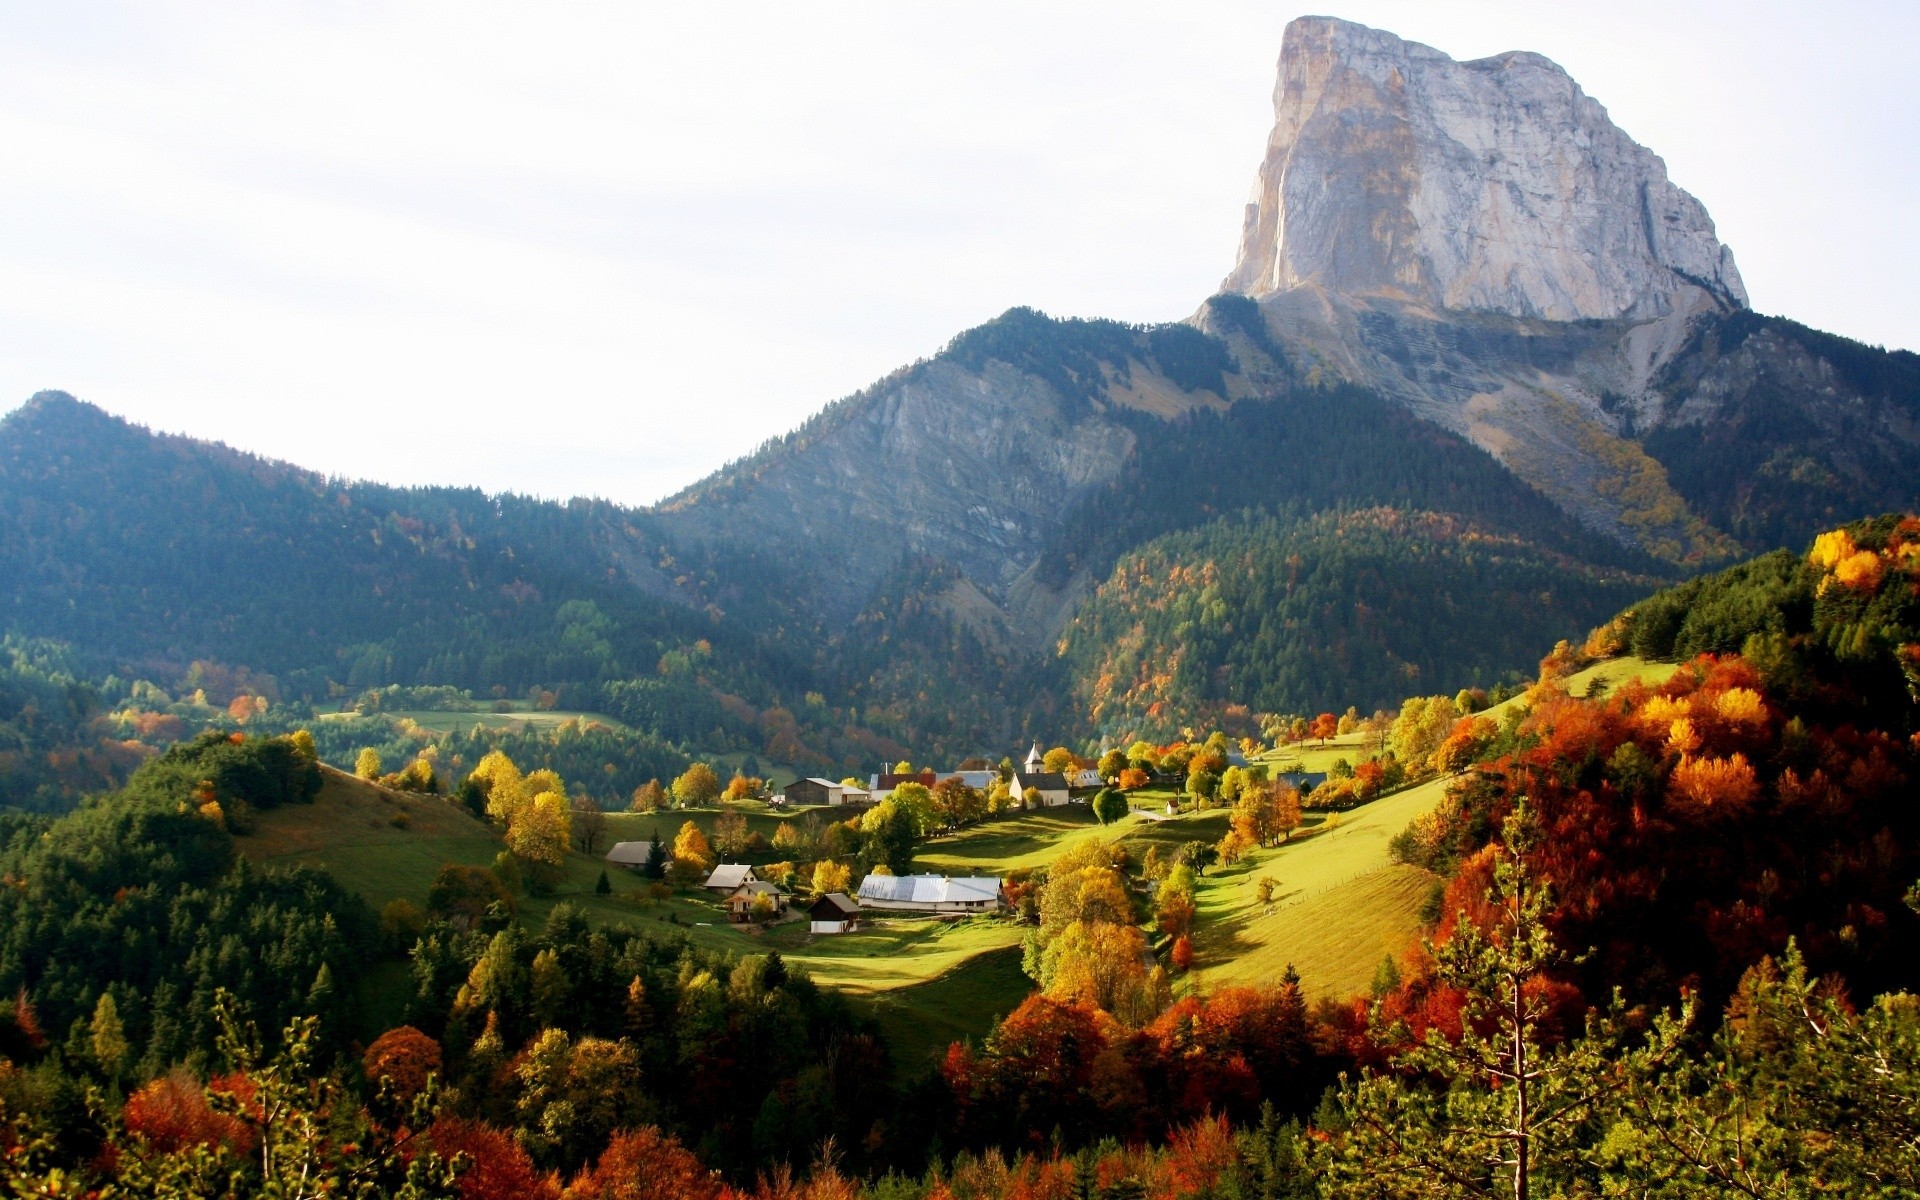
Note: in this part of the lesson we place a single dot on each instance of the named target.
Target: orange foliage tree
(645, 1164)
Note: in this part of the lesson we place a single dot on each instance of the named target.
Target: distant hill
(1274, 614)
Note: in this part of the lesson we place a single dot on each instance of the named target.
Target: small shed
(834, 912)
(728, 876)
(631, 855)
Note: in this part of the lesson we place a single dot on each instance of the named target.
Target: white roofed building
(932, 893)
(728, 876)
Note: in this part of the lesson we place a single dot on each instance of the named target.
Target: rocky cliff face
(1495, 185)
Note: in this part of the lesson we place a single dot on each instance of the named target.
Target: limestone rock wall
(1495, 185)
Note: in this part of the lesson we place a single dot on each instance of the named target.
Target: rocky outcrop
(1495, 185)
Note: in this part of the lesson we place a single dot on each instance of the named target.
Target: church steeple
(1034, 760)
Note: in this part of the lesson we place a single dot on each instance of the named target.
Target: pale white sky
(574, 248)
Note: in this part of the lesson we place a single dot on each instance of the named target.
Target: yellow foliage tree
(690, 846)
(504, 785)
(541, 831)
(1741, 706)
(1105, 965)
(367, 765)
(830, 876)
(1057, 759)
(698, 785)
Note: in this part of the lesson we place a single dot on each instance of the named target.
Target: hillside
(1276, 615)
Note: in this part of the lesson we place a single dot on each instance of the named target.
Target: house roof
(729, 876)
(1046, 781)
(979, 780)
(886, 783)
(930, 889)
(834, 906)
(826, 783)
(754, 887)
(630, 854)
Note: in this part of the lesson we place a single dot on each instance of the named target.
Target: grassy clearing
(1022, 841)
(921, 1020)
(644, 827)
(349, 829)
(1337, 866)
(1312, 756)
(1335, 939)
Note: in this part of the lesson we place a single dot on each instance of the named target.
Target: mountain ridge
(913, 553)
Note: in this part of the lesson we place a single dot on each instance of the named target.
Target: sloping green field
(1339, 906)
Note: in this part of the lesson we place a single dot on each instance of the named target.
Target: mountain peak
(1495, 185)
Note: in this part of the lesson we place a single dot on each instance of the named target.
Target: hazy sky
(571, 248)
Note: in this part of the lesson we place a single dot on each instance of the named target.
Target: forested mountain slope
(1274, 614)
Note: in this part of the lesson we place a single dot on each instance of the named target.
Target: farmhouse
(1085, 777)
(815, 792)
(932, 893)
(854, 796)
(740, 900)
(631, 855)
(834, 913)
(1047, 789)
(728, 876)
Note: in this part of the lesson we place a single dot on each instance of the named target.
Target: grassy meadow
(1339, 907)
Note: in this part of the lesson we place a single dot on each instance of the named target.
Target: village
(1045, 780)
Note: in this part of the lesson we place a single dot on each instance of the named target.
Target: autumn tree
(696, 786)
(589, 823)
(1324, 726)
(648, 797)
(1111, 764)
(743, 787)
(107, 1037)
(830, 876)
(1059, 759)
(645, 1164)
(1088, 949)
(405, 1058)
(539, 836)
(367, 765)
(690, 846)
(1131, 778)
(1512, 1118)
(730, 834)
(954, 804)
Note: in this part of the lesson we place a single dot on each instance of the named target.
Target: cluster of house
(739, 891)
(1031, 786)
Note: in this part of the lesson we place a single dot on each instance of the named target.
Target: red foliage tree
(498, 1169)
(171, 1113)
(404, 1055)
(645, 1164)
(1182, 954)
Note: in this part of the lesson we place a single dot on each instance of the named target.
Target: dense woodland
(1274, 614)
